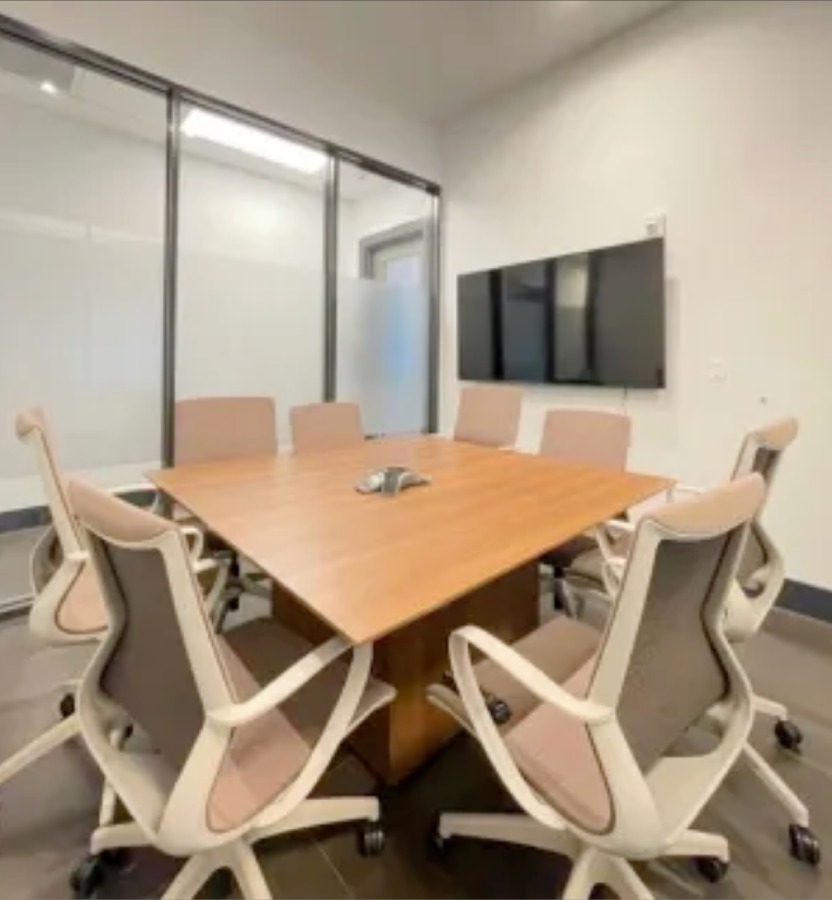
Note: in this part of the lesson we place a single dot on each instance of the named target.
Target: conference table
(403, 571)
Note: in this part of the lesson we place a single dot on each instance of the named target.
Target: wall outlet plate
(655, 225)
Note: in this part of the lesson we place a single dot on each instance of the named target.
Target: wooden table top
(368, 564)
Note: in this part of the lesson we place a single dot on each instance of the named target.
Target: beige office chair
(215, 429)
(240, 727)
(326, 426)
(67, 607)
(758, 585)
(596, 764)
(212, 429)
(591, 437)
(489, 415)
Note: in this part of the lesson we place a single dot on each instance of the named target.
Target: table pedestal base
(398, 739)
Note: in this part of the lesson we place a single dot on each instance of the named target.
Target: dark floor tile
(296, 867)
(397, 876)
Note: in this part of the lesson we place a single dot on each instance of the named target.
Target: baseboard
(807, 600)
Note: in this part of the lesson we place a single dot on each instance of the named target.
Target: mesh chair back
(761, 451)
(689, 552)
(147, 673)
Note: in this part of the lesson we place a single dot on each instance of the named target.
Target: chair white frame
(744, 616)
(652, 812)
(50, 588)
(175, 820)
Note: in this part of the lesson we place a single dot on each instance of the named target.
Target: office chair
(326, 426)
(590, 437)
(240, 726)
(67, 607)
(489, 415)
(759, 582)
(596, 764)
(215, 429)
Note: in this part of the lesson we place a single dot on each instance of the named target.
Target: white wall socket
(655, 225)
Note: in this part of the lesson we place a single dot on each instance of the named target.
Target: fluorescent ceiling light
(48, 88)
(220, 130)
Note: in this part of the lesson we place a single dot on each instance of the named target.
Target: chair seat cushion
(555, 753)
(558, 648)
(83, 610)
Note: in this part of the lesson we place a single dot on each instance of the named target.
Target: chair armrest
(680, 488)
(612, 573)
(522, 671)
(602, 534)
(195, 540)
(282, 687)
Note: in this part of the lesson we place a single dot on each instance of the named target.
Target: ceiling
(99, 101)
(431, 59)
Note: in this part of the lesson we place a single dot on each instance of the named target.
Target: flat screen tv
(594, 318)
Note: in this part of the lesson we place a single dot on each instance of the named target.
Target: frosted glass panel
(82, 175)
(250, 299)
(382, 353)
(383, 302)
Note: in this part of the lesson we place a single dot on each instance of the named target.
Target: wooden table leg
(401, 737)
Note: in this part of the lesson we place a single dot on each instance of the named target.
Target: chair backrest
(212, 429)
(762, 452)
(664, 661)
(162, 667)
(591, 436)
(326, 426)
(32, 429)
(662, 664)
(66, 606)
(158, 667)
(489, 415)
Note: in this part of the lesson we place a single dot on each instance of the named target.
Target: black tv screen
(594, 318)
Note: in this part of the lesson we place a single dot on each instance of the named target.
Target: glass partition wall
(384, 301)
(82, 191)
(156, 244)
(250, 298)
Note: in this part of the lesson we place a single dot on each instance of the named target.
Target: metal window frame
(177, 95)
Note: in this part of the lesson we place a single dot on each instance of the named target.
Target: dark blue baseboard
(807, 600)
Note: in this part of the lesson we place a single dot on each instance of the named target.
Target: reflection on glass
(573, 319)
(250, 299)
(82, 175)
(525, 311)
(383, 305)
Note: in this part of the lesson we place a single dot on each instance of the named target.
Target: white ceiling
(432, 59)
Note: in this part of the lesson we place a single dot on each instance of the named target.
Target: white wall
(196, 45)
(717, 114)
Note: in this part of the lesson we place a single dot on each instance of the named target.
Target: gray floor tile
(48, 812)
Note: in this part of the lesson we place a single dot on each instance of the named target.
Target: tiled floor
(47, 813)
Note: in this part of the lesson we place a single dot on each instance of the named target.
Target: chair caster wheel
(438, 846)
(67, 706)
(371, 838)
(88, 877)
(788, 735)
(803, 845)
(117, 860)
(711, 868)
